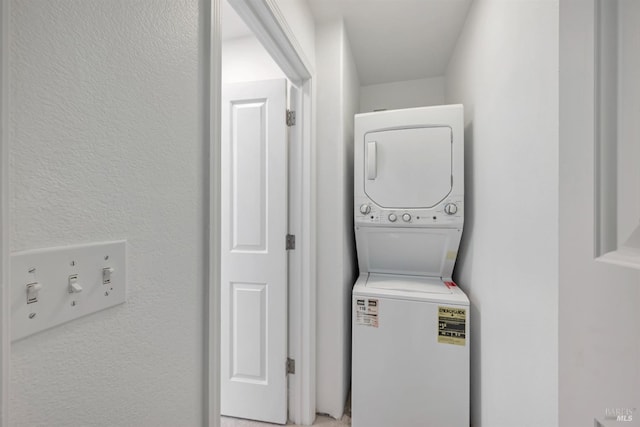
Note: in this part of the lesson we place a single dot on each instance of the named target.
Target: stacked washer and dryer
(410, 360)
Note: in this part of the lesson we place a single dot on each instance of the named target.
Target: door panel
(248, 332)
(248, 176)
(408, 168)
(254, 258)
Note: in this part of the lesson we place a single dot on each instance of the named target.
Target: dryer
(410, 357)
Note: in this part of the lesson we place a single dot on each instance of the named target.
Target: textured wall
(505, 71)
(337, 98)
(106, 144)
(403, 94)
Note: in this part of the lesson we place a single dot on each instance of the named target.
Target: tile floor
(321, 420)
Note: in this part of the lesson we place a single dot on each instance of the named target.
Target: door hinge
(291, 117)
(291, 366)
(291, 241)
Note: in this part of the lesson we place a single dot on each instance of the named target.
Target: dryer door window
(408, 168)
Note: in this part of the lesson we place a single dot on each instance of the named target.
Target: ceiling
(395, 40)
(391, 40)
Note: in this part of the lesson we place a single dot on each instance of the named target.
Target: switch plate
(53, 269)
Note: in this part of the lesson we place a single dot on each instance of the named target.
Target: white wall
(337, 100)
(402, 94)
(599, 321)
(245, 60)
(505, 71)
(106, 143)
(350, 101)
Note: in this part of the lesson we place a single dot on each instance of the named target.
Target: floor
(321, 420)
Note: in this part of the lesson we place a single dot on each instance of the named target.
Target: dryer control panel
(448, 213)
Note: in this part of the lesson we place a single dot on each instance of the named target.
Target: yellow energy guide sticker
(452, 325)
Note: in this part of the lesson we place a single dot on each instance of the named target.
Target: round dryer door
(408, 168)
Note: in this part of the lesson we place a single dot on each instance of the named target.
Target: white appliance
(410, 357)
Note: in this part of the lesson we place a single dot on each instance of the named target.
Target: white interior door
(254, 256)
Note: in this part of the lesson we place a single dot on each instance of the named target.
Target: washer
(409, 370)
(410, 357)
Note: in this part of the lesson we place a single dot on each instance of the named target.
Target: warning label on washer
(367, 311)
(452, 325)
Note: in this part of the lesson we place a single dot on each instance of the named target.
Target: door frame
(267, 22)
(5, 306)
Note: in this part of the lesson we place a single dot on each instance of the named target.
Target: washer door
(408, 168)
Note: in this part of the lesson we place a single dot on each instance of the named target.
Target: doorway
(244, 59)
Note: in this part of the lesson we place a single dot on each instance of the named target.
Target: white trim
(597, 223)
(211, 116)
(5, 307)
(265, 19)
(295, 264)
(305, 411)
(302, 311)
(605, 129)
(608, 199)
(624, 257)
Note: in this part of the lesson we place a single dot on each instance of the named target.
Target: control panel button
(393, 217)
(450, 208)
(406, 217)
(365, 209)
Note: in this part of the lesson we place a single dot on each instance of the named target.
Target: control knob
(365, 209)
(450, 208)
(406, 217)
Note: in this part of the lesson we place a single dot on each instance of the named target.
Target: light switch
(106, 275)
(33, 292)
(74, 286)
(65, 283)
